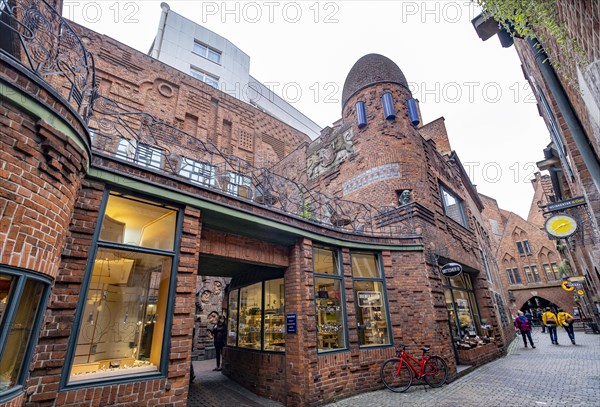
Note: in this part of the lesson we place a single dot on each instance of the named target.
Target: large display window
(122, 321)
(468, 329)
(329, 303)
(21, 298)
(370, 300)
(256, 316)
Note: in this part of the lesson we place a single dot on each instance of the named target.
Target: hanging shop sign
(451, 270)
(566, 286)
(568, 203)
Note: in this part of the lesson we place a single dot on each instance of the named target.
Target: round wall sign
(451, 269)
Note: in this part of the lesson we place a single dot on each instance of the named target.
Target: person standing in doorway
(524, 325)
(549, 319)
(566, 321)
(219, 333)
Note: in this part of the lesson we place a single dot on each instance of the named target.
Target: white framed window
(453, 207)
(205, 77)
(207, 52)
(140, 153)
(198, 172)
(238, 184)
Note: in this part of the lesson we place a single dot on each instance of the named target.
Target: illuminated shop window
(369, 294)
(21, 298)
(330, 311)
(462, 307)
(256, 316)
(123, 319)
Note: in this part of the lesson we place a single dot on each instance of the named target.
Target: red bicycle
(397, 373)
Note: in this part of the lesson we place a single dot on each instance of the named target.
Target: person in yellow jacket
(550, 319)
(563, 320)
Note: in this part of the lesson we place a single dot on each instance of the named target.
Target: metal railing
(34, 34)
(142, 140)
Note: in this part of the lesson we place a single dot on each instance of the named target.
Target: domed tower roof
(369, 70)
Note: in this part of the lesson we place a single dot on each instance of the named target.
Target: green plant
(537, 19)
(564, 268)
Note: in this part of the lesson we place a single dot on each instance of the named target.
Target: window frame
(205, 51)
(21, 277)
(337, 277)
(199, 172)
(231, 313)
(380, 279)
(464, 222)
(201, 75)
(97, 244)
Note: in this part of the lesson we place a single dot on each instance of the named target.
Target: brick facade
(387, 175)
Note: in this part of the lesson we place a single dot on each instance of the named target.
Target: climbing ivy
(537, 19)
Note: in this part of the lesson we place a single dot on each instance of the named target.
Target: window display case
(255, 324)
(330, 316)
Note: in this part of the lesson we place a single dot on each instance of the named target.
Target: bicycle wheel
(436, 371)
(397, 379)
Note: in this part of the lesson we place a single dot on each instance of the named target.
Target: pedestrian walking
(538, 314)
(523, 324)
(566, 321)
(549, 319)
(219, 333)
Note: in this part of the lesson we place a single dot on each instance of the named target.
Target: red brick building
(124, 179)
(569, 102)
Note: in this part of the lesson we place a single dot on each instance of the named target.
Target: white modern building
(197, 51)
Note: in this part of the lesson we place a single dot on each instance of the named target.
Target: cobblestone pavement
(565, 375)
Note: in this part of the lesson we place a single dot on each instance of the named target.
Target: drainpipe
(585, 149)
(157, 45)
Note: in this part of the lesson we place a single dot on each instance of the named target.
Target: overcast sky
(305, 49)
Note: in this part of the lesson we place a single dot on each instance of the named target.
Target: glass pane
(138, 223)
(458, 282)
(274, 337)
(123, 322)
(324, 261)
(214, 56)
(466, 322)
(20, 331)
(453, 207)
(6, 283)
(364, 265)
(250, 316)
(452, 315)
(371, 313)
(330, 314)
(232, 311)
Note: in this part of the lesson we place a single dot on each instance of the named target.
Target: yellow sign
(565, 285)
(580, 292)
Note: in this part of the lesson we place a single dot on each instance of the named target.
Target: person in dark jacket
(523, 324)
(219, 333)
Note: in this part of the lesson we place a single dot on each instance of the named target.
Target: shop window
(274, 332)
(250, 316)
(22, 299)
(453, 207)
(331, 328)
(232, 318)
(123, 319)
(468, 329)
(256, 316)
(369, 293)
